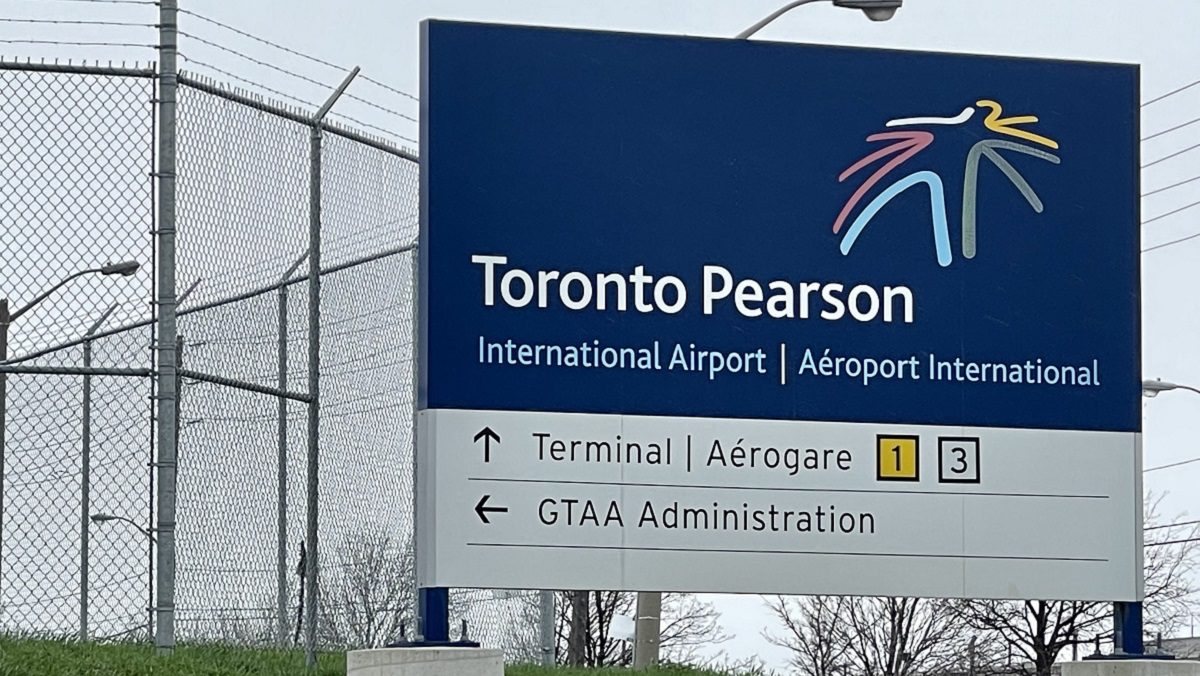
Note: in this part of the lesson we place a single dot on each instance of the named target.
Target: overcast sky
(381, 36)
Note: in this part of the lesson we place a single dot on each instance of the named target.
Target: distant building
(1183, 648)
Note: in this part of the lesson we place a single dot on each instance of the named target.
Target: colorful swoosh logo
(906, 144)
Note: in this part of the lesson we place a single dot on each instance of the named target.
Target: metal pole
(547, 629)
(281, 590)
(4, 321)
(418, 604)
(577, 637)
(314, 371)
(85, 494)
(85, 487)
(1127, 629)
(314, 387)
(281, 564)
(649, 617)
(164, 634)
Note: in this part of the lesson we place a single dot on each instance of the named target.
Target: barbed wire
(76, 43)
(294, 52)
(79, 22)
(296, 75)
(290, 97)
(107, 2)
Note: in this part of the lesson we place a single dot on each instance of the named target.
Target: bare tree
(1170, 558)
(365, 592)
(902, 636)
(888, 636)
(1040, 630)
(688, 624)
(812, 631)
(1037, 630)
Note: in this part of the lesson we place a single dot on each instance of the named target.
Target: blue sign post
(930, 262)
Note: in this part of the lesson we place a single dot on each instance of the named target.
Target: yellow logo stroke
(1006, 125)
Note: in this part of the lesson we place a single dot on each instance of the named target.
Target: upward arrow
(488, 435)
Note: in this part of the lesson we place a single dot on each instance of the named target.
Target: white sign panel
(568, 501)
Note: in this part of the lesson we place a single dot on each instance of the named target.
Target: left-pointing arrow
(483, 510)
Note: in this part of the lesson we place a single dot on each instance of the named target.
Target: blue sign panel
(618, 223)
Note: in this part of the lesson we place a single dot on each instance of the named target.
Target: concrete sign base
(425, 662)
(1132, 668)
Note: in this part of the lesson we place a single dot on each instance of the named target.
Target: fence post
(314, 368)
(165, 381)
(314, 389)
(281, 503)
(85, 481)
(4, 321)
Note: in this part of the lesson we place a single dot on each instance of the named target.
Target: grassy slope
(21, 657)
(34, 657)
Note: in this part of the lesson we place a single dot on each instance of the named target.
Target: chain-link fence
(76, 152)
(76, 166)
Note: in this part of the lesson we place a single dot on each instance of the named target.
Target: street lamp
(1127, 617)
(105, 518)
(1152, 388)
(876, 10)
(122, 269)
(100, 518)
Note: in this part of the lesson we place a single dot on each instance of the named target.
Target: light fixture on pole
(1152, 388)
(7, 317)
(1127, 617)
(105, 518)
(876, 10)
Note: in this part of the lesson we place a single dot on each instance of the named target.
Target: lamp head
(124, 268)
(876, 10)
(1151, 388)
(101, 518)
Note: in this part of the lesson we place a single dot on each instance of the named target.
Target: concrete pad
(426, 662)
(1132, 668)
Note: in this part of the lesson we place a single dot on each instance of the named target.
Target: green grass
(45, 657)
(37, 657)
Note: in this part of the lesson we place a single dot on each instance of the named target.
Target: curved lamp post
(105, 518)
(1128, 616)
(876, 10)
(7, 317)
(1152, 388)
